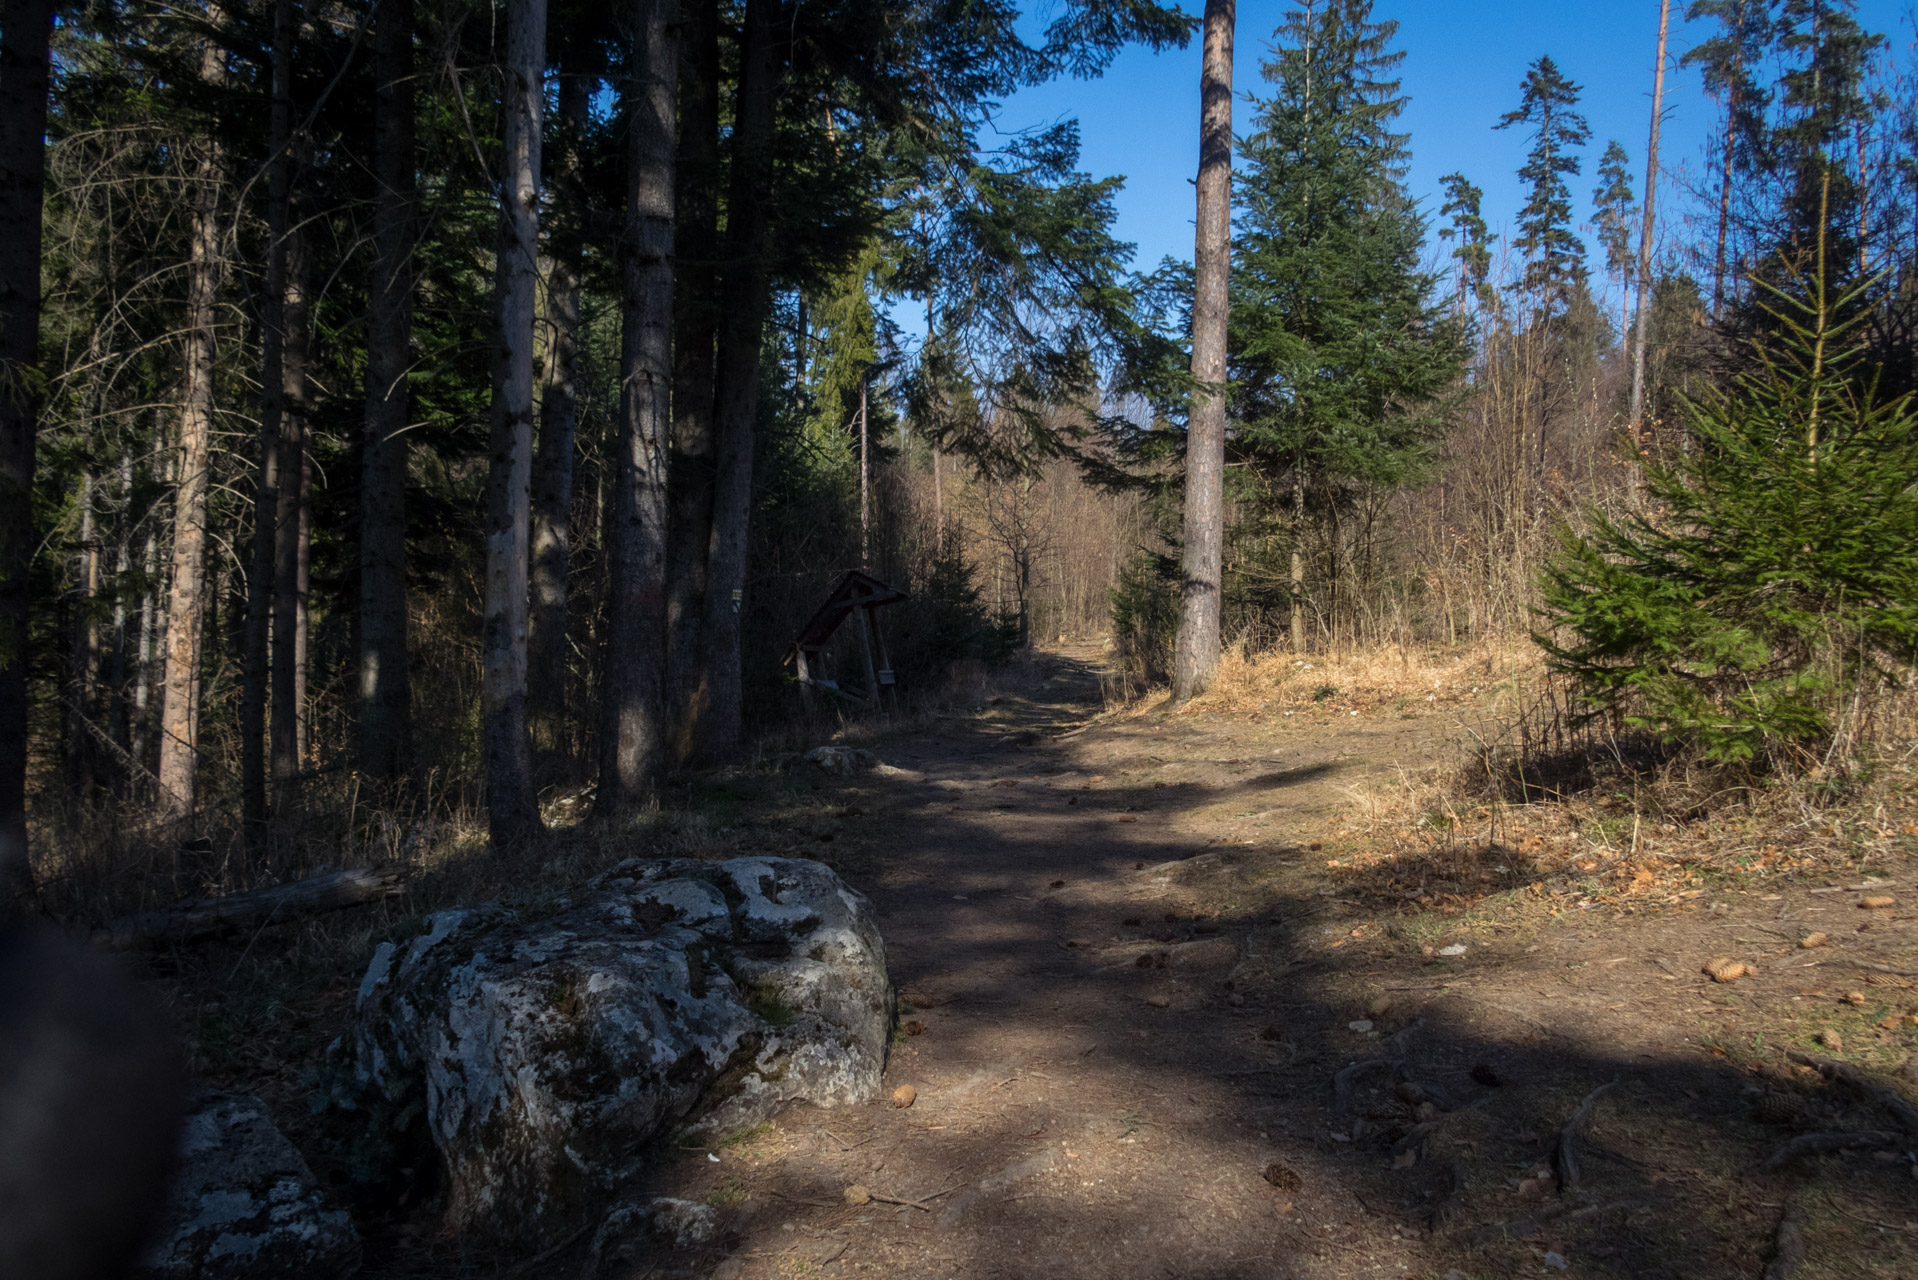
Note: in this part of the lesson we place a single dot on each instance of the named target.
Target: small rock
(1406, 1158)
(1812, 940)
(1159, 1002)
(1456, 949)
(858, 1193)
(1360, 1025)
(1877, 901)
(1831, 1040)
(1556, 1261)
(1380, 1006)
(843, 761)
(904, 1096)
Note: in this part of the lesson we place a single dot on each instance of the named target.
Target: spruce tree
(1342, 353)
(1728, 61)
(1613, 212)
(1554, 255)
(1777, 576)
(1463, 201)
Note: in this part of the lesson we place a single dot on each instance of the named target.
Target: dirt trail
(1126, 994)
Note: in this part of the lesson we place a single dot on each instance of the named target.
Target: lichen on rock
(672, 996)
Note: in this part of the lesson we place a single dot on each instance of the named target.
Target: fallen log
(208, 917)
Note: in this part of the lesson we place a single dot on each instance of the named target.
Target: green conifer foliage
(1775, 577)
(1343, 355)
(1463, 205)
(1614, 212)
(1554, 255)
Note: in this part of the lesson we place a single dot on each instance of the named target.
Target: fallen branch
(1813, 1144)
(1886, 1096)
(1789, 1253)
(1565, 1153)
(1519, 1228)
(331, 891)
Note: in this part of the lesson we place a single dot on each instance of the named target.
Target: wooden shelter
(858, 593)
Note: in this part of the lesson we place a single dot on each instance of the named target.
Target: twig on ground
(1812, 1144)
(1565, 1153)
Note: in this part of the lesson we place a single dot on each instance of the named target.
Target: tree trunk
(1196, 655)
(119, 669)
(695, 330)
(1298, 557)
(266, 495)
(558, 422)
(187, 596)
(26, 27)
(512, 808)
(83, 661)
(292, 534)
(632, 739)
(1641, 332)
(1724, 202)
(736, 410)
(384, 687)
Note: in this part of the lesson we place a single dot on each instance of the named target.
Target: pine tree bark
(736, 408)
(292, 537)
(1642, 330)
(83, 660)
(257, 659)
(26, 28)
(632, 738)
(1196, 653)
(512, 808)
(695, 331)
(384, 688)
(558, 423)
(187, 596)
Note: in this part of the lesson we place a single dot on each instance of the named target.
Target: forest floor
(1136, 950)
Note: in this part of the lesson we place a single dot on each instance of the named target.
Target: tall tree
(1464, 206)
(745, 290)
(695, 330)
(632, 727)
(1196, 650)
(1644, 281)
(266, 496)
(187, 597)
(384, 687)
(512, 808)
(26, 28)
(1728, 60)
(1614, 209)
(558, 413)
(1343, 352)
(1554, 256)
(293, 534)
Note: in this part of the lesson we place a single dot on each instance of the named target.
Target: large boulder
(550, 1051)
(245, 1206)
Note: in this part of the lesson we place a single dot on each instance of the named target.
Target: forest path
(1126, 990)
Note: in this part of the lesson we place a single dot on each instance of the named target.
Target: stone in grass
(1456, 949)
(245, 1205)
(552, 1052)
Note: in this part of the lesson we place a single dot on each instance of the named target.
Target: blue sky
(1462, 70)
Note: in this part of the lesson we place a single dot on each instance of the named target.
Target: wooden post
(865, 652)
(888, 682)
(805, 680)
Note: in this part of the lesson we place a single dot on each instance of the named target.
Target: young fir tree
(1554, 256)
(1781, 573)
(1613, 213)
(1342, 355)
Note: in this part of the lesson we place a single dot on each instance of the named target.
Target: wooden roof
(856, 588)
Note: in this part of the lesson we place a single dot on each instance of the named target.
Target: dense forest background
(445, 406)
